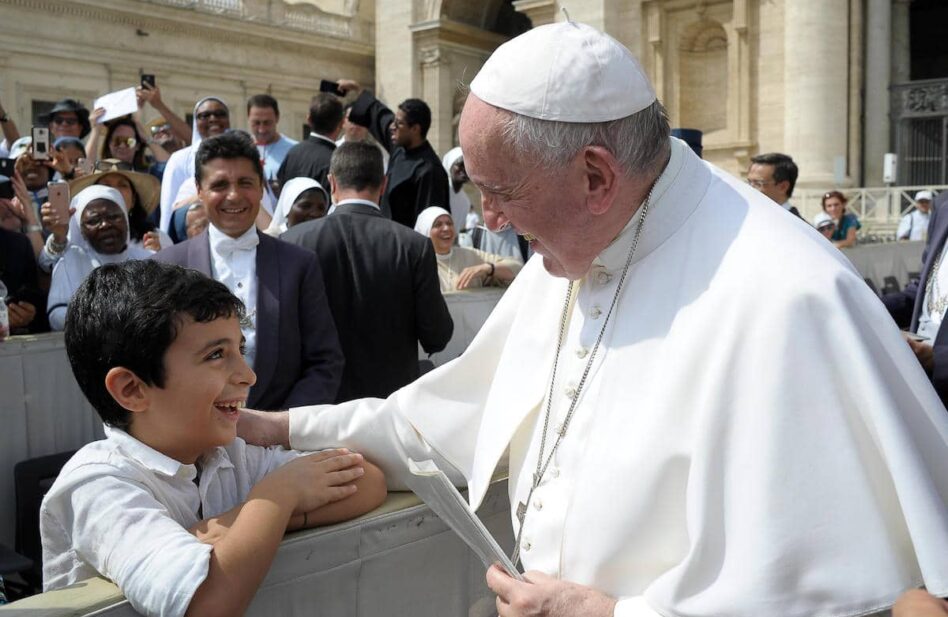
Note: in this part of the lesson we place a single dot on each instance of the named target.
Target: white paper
(434, 488)
(116, 104)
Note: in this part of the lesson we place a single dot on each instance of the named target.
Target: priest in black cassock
(416, 179)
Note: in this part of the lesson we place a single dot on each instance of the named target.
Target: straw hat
(146, 186)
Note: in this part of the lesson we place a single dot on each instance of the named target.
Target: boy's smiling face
(206, 381)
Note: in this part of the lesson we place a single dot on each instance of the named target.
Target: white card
(117, 104)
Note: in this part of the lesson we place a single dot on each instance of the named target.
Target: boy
(171, 506)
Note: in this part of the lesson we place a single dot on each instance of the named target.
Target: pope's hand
(918, 603)
(924, 352)
(545, 596)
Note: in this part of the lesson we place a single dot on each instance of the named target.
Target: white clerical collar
(671, 204)
(218, 240)
(786, 205)
(323, 137)
(362, 202)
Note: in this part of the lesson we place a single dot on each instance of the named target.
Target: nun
(101, 235)
(301, 199)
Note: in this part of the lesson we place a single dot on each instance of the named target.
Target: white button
(595, 312)
(570, 392)
(538, 504)
(603, 277)
(554, 472)
(526, 545)
(558, 429)
(582, 352)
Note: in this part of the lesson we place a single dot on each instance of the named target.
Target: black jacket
(416, 178)
(307, 159)
(19, 275)
(382, 282)
(906, 306)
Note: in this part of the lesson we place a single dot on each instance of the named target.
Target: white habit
(755, 438)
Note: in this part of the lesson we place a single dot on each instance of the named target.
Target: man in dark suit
(381, 279)
(921, 306)
(310, 157)
(292, 343)
(416, 179)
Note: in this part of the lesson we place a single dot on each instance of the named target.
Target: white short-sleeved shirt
(122, 510)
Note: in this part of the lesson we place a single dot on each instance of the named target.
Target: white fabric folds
(755, 437)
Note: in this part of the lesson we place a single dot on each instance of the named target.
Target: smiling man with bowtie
(287, 321)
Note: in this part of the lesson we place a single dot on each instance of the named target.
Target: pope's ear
(601, 171)
(127, 389)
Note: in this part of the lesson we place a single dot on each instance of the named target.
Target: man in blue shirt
(263, 116)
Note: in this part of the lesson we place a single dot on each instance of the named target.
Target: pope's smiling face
(231, 190)
(545, 205)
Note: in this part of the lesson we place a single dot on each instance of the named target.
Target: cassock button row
(526, 545)
(582, 352)
(538, 503)
(595, 312)
(603, 277)
(570, 392)
(554, 472)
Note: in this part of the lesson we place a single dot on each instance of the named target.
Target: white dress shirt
(364, 202)
(122, 510)
(913, 226)
(234, 263)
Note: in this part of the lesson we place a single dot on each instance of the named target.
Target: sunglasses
(112, 165)
(129, 142)
(164, 128)
(66, 121)
(214, 113)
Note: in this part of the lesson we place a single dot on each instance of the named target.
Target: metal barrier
(879, 208)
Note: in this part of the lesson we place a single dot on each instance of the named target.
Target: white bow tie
(227, 246)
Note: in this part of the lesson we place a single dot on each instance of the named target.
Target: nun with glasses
(211, 117)
(101, 231)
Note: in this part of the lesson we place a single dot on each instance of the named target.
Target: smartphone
(85, 165)
(330, 86)
(6, 190)
(40, 143)
(149, 80)
(7, 167)
(58, 195)
(915, 337)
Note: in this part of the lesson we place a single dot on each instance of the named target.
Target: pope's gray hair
(639, 142)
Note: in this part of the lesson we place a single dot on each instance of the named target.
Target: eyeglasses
(65, 120)
(112, 165)
(129, 142)
(214, 113)
(759, 184)
(112, 219)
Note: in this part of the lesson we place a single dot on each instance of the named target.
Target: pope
(704, 409)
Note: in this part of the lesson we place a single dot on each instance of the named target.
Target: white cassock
(755, 437)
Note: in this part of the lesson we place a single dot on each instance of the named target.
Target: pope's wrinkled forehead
(481, 133)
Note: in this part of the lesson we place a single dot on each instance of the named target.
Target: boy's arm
(370, 494)
(242, 557)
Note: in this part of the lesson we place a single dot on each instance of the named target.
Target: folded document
(434, 488)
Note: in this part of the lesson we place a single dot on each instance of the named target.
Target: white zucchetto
(566, 71)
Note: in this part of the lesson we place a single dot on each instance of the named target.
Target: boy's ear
(127, 389)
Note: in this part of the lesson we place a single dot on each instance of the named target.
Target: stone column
(540, 12)
(438, 92)
(816, 65)
(878, 70)
(901, 42)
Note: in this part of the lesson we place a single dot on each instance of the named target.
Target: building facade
(834, 83)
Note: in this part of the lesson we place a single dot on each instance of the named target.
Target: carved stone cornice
(433, 57)
(216, 22)
(921, 98)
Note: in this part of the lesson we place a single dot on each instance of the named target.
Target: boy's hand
(318, 479)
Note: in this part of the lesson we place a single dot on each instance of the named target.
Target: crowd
(220, 270)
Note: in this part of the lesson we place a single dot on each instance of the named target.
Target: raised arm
(179, 127)
(370, 112)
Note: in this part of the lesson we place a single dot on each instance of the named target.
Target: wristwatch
(34, 228)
